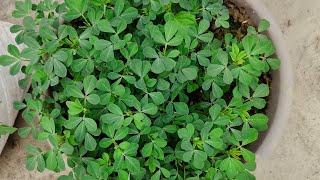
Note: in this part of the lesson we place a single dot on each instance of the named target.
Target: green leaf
(222, 22)
(250, 158)
(215, 69)
(185, 19)
(93, 99)
(93, 168)
(77, 8)
(245, 78)
(108, 54)
(41, 164)
(227, 76)
(19, 105)
(214, 111)
(24, 132)
(181, 108)
(31, 162)
(65, 177)
(190, 73)
(115, 109)
(30, 149)
(23, 8)
(105, 26)
(166, 173)
(249, 43)
(259, 121)
(155, 5)
(216, 133)
(132, 164)
(203, 26)
(74, 91)
(170, 29)
(72, 122)
(89, 84)
(156, 176)
(150, 53)
(80, 132)
(157, 36)
(198, 159)
(48, 124)
(59, 68)
(130, 14)
(51, 161)
(90, 124)
(186, 133)
(121, 133)
(274, 63)
(263, 25)
(207, 37)
(15, 68)
(261, 91)
(90, 143)
(249, 135)
(147, 149)
(170, 128)
(111, 118)
(187, 156)
(6, 60)
(232, 167)
(176, 41)
(4, 130)
(118, 7)
(74, 107)
(105, 142)
(163, 85)
(157, 97)
(158, 66)
(67, 148)
(150, 108)
(136, 66)
(258, 103)
(173, 54)
(103, 85)
(123, 175)
(47, 33)
(186, 145)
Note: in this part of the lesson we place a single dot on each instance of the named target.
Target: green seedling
(139, 89)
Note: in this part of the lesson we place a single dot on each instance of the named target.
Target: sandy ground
(297, 156)
(12, 166)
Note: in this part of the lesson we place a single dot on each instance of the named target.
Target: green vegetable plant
(140, 89)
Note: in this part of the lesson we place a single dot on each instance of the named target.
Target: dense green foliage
(140, 89)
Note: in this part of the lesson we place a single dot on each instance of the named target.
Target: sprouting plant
(139, 89)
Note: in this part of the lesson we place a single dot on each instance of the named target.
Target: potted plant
(141, 89)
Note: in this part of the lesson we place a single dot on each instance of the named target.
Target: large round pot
(9, 89)
(279, 101)
(281, 93)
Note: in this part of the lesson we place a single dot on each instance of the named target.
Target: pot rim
(282, 85)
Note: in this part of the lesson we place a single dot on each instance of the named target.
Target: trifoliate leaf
(263, 25)
(261, 91)
(4, 130)
(90, 143)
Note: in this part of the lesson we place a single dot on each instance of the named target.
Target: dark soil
(239, 21)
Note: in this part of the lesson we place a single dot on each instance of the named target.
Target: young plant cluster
(140, 89)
